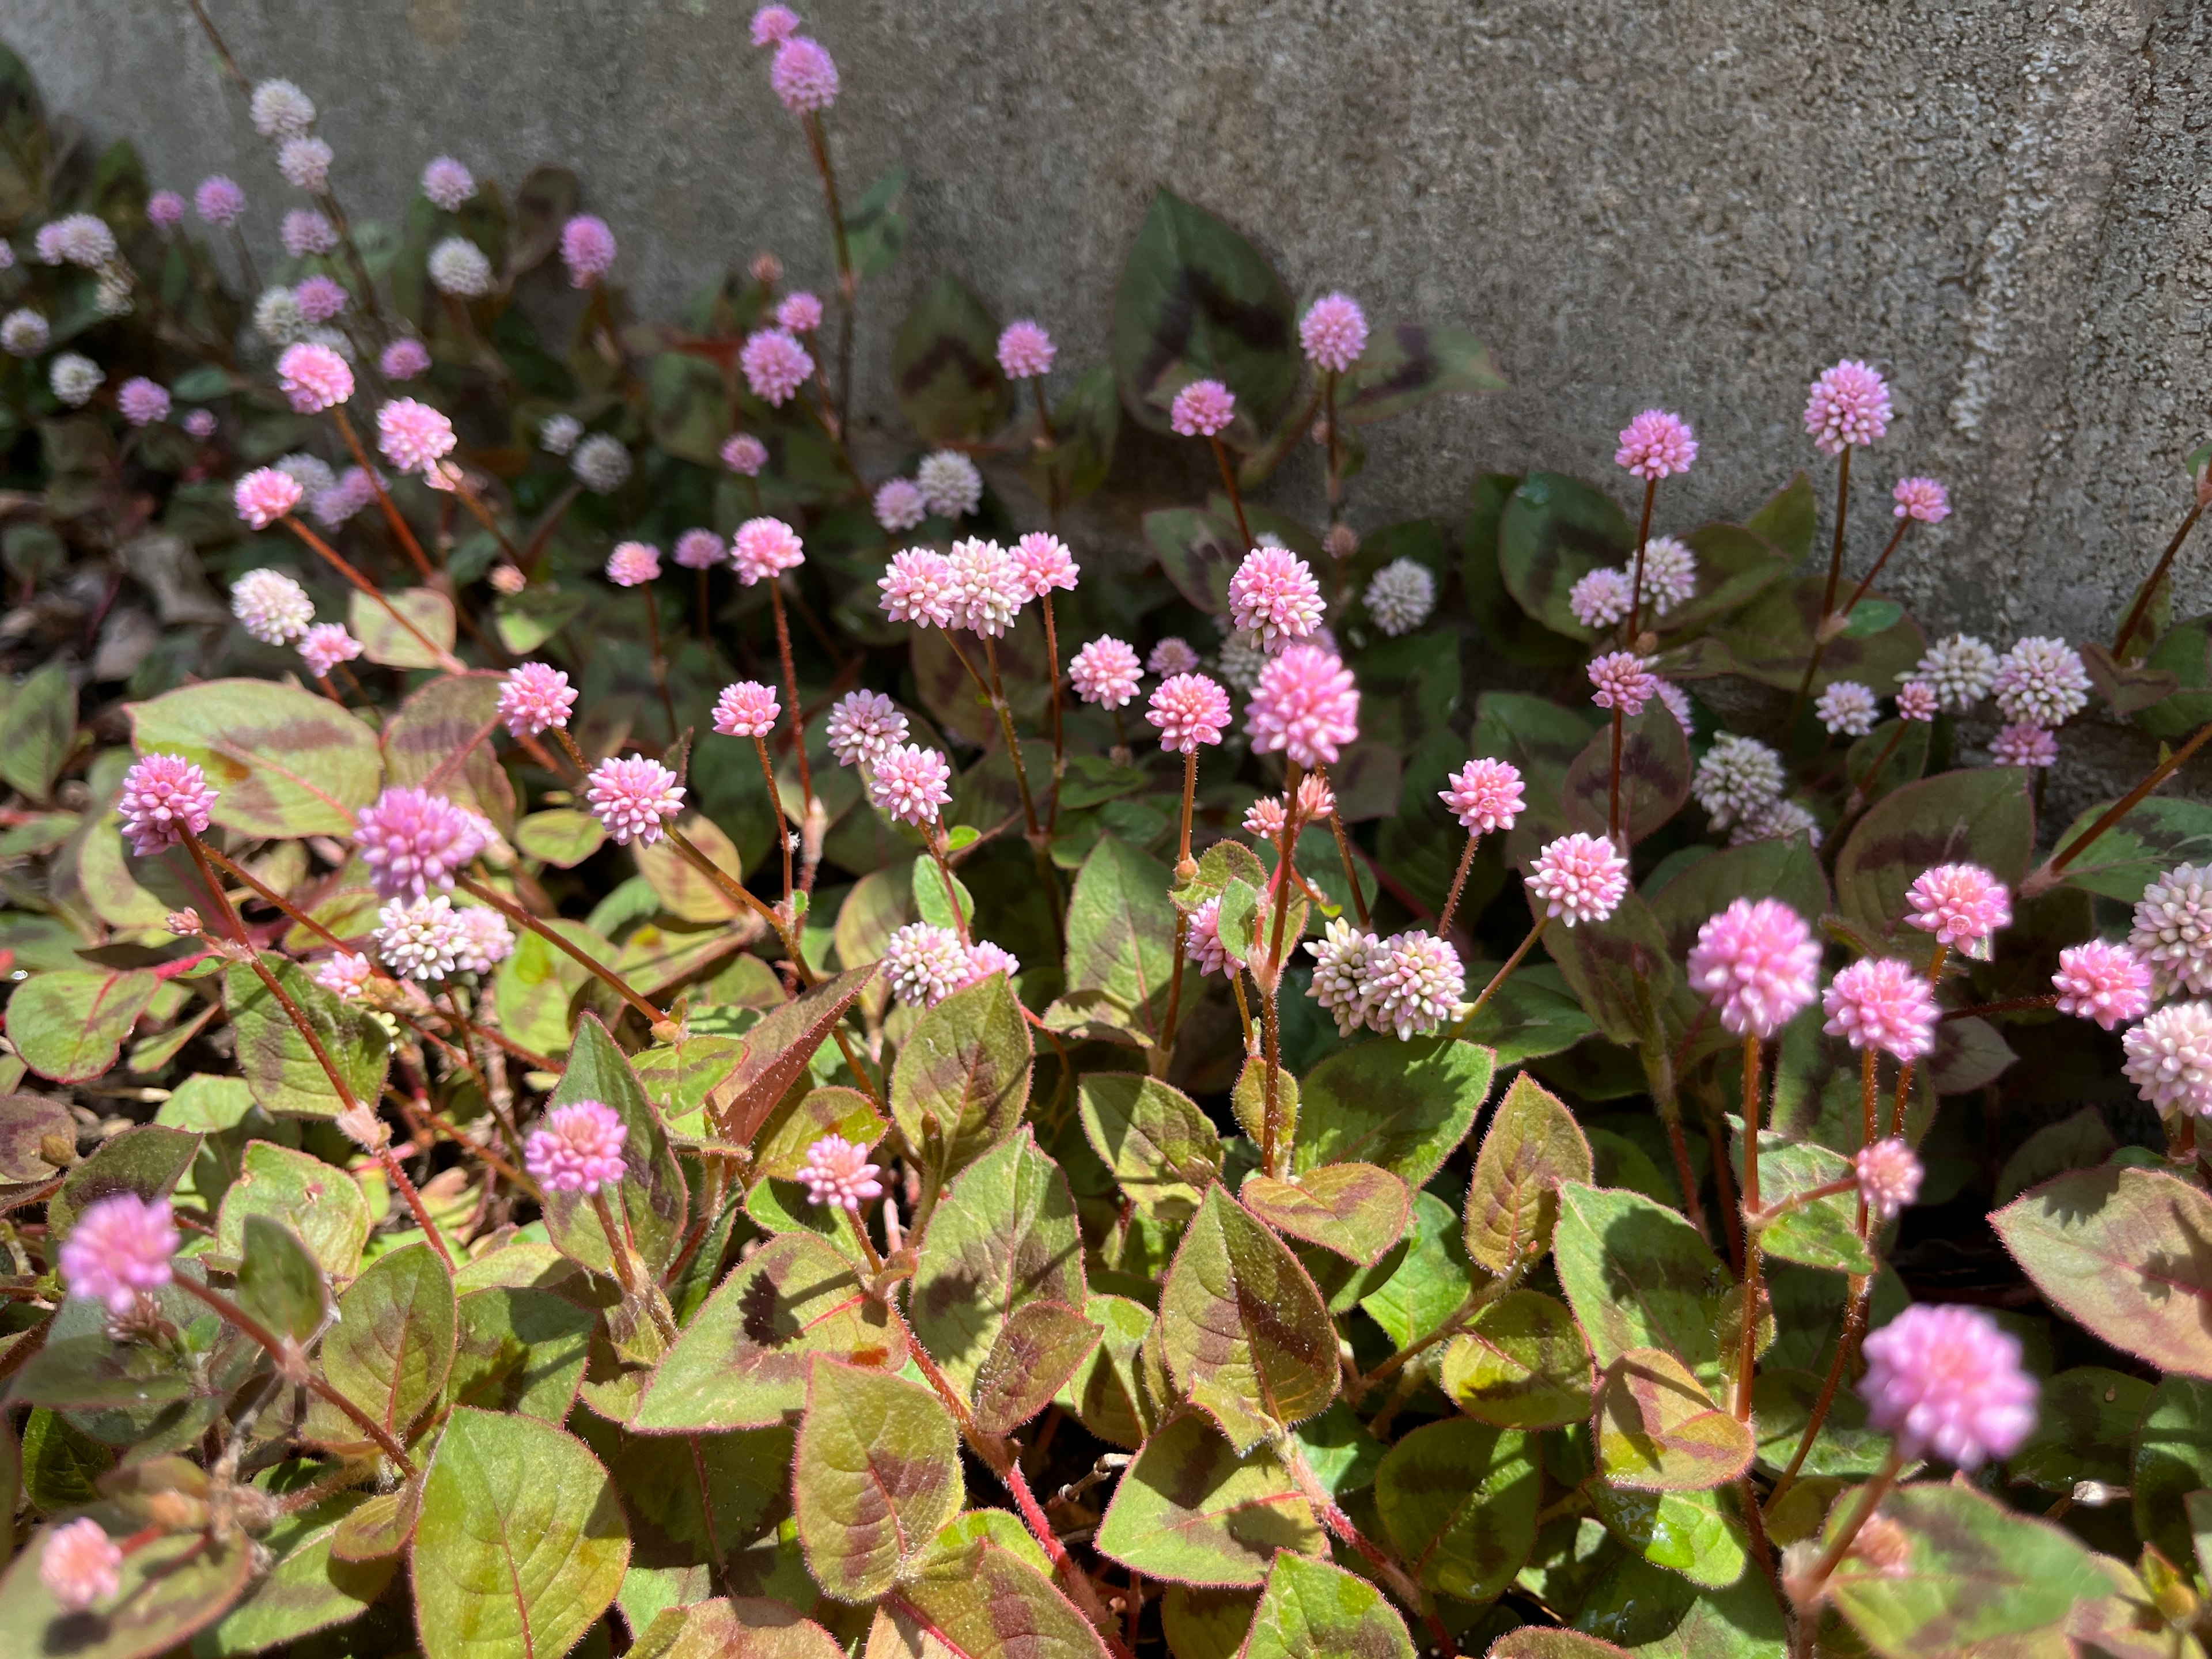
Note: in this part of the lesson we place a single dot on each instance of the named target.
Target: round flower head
(775, 365)
(1756, 963)
(536, 695)
(306, 164)
(1346, 963)
(326, 645)
(632, 797)
(321, 298)
(1880, 1002)
(587, 248)
(1948, 1381)
(119, 1247)
(2108, 983)
(773, 25)
(1656, 445)
(1203, 945)
(24, 333)
(1962, 669)
(577, 1149)
(163, 796)
(909, 783)
(2173, 929)
(1849, 404)
(79, 1564)
(307, 232)
(632, 564)
(800, 312)
(1678, 705)
(1670, 574)
(989, 588)
(268, 604)
(1306, 706)
(1485, 795)
(837, 1172)
(1624, 680)
(1916, 701)
(1045, 564)
(74, 378)
(219, 201)
(2041, 682)
(413, 435)
(899, 505)
(1274, 594)
(1105, 672)
(1846, 708)
(699, 550)
(1266, 819)
(345, 976)
(949, 482)
(458, 266)
(803, 76)
(1414, 985)
(314, 377)
(1578, 878)
(276, 317)
(1317, 800)
(1889, 1178)
(2169, 1058)
(311, 472)
(985, 959)
(165, 210)
(863, 727)
(142, 401)
(745, 454)
(602, 465)
(413, 841)
(1400, 596)
(746, 710)
(1189, 710)
(1171, 656)
(448, 183)
(1332, 332)
(486, 940)
(1775, 820)
(1202, 409)
(1923, 499)
(918, 586)
(2024, 746)
(1025, 350)
(1599, 600)
(1962, 904)
(1737, 777)
(924, 963)
(79, 239)
(200, 423)
(404, 359)
(281, 110)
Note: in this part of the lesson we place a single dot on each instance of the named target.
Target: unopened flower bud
(183, 923)
(358, 1124)
(509, 579)
(175, 1511)
(768, 269)
(1341, 542)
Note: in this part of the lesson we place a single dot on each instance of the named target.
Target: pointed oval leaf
(382, 1526)
(1655, 776)
(1459, 1499)
(780, 1048)
(980, 1601)
(1638, 1276)
(322, 1205)
(70, 1025)
(1521, 1365)
(1658, 1429)
(651, 1193)
(169, 1588)
(1121, 933)
(1406, 364)
(966, 1063)
(148, 1159)
(1189, 1510)
(392, 1347)
(1532, 1145)
(284, 761)
(310, 1590)
(1104, 1392)
(1401, 1106)
(275, 1059)
(1310, 1610)
(279, 1281)
(1557, 529)
(1354, 1209)
(1163, 1149)
(743, 1627)
(1771, 639)
(876, 1474)
(387, 640)
(1980, 816)
(1035, 1352)
(518, 1349)
(1534, 1641)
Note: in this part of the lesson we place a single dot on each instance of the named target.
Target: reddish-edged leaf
(1532, 1145)
(285, 761)
(1354, 1209)
(876, 1474)
(1034, 1354)
(70, 1025)
(1189, 1510)
(1658, 1429)
(1521, 1365)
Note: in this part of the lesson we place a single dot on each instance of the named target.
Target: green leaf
(1425, 1288)
(2153, 838)
(1189, 1510)
(2085, 1430)
(171, 1586)
(1459, 1499)
(1163, 1149)
(1104, 1392)
(1400, 1106)
(1638, 1276)
(2173, 1458)
(1521, 1365)
(1658, 1429)
(744, 1627)
(1084, 423)
(324, 1205)
(1784, 869)
(967, 1064)
(1536, 1642)
(526, 620)
(1976, 817)
(1245, 1334)
(441, 740)
(70, 1025)
(741, 1362)
(1771, 639)
(1529, 1017)
(382, 640)
(680, 1077)
(1622, 970)
(1556, 530)
(780, 1149)
(87, 1372)
(1655, 776)
(37, 728)
(532, 987)
(520, 1349)
(684, 890)
(1690, 1533)
(286, 1079)
(1036, 1351)
(1532, 1145)
(1406, 364)
(1120, 934)
(2080, 1142)
(392, 1347)
(780, 1049)
(279, 1281)
(1822, 1234)
(876, 1474)
(1198, 550)
(308, 1590)
(522, 1545)
(148, 1159)
(60, 1465)
(1207, 1624)
(1310, 1610)
(285, 761)
(25, 1123)
(559, 836)
(1736, 563)
(944, 366)
(1541, 739)
(686, 406)
(1354, 1209)
(977, 1602)
(651, 1194)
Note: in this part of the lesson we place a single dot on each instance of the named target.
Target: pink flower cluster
(1624, 680)
(1946, 1381)
(118, 1250)
(837, 1172)
(764, 549)
(911, 783)
(1202, 409)
(1486, 796)
(413, 841)
(1189, 710)
(1025, 350)
(163, 796)
(1333, 333)
(577, 1149)
(1105, 672)
(587, 248)
(1656, 445)
(1847, 406)
(1962, 904)
(633, 797)
(1273, 596)
(746, 710)
(864, 726)
(1578, 878)
(1882, 1003)
(1755, 961)
(535, 697)
(1306, 706)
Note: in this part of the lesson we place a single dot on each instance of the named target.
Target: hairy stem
(2043, 880)
(1746, 1353)
(1635, 588)
(1828, 594)
(606, 976)
(1458, 884)
(2141, 608)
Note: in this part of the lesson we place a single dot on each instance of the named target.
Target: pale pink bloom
(200, 423)
(1317, 800)
(1600, 599)
(1916, 701)
(578, 1148)
(1961, 904)
(633, 796)
(1578, 878)
(1025, 350)
(2169, 1058)
(345, 976)
(448, 183)
(1045, 564)
(119, 1247)
(1960, 668)
(1656, 445)
(700, 549)
(1105, 672)
(1756, 964)
(774, 25)
(2108, 983)
(1775, 820)
(746, 710)
(910, 783)
(1882, 1003)
(587, 248)
(305, 232)
(326, 645)
(1202, 409)
(166, 209)
(1738, 776)
(1414, 984)
(1889, 1178)
(537, 696)
(281, 110)
(79, 1564)
(269, 605)
(1923, 499)
(2041, 682)
(924, 963)
(775, 365)
(918, 586)
(78, 238)
(1267, 817)
(413, 435)
(504, 577)
(264, 495)
(1678, 705)
(837, 1172)
(745, 454)
(1485, 795)
(1172, 655)
(2173, 929)
(143, 402)
(219, 200)
(314, 377)
(1273, 595)
(1848, 405)
(1846, 708)
(764, 549)
(1189, 710)
(1624, 680)
(1346, 962)
(2025, 745)
(985, 959)
(321, 298)
(1203, 943)
(1400, 596)
(413, 841)
(1333, 333)
(803, 76)
(800, 312)
(949, 483)
(1670, 574)
(990, 586)
(306, 164)
(1306, 706)
(633, 565)
(899, 505)
(863, 726)
(404, 359)
(1948, 1380)
(485, 940)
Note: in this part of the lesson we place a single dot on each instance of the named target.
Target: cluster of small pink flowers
(700, 549)
(1172, 655)
(743, 454)
(1317, 800)
(2103, 981)
(1656, 445)
(764, 549)
(1846, 708)
(1414, 984)
(1267, 817)
(633, 797)
(118, 1250)
(1962, 904)
(1624, 680)
(1600, 600)
(305, 232)
(321, 298)
(535, 697)
(219, 200)
(413, 435)
(345, 976)
(314, 377)
(774, 25)
(77, 239)
(911, 783)
(918, 586)
(863, 727)
(1273, 596)
(800, 312)
(1678, 705)
(141, 402)
(448, 183)
(1189, 710)
(1045, 564)
(746, 710)
(281, 110)
(2025, 745)
(577, 1149)
(1203, 943)
(2169, 1058)
(326, 645)
(1346, 960)
(1961, 670)
(633, 565)
(1025, 350)
(587, 249)
(1923, 499)
(1202, 409)
(775, 365)
(1948, 1380)
(837, 1172)
(404, 359)
(268, 604)
(1670, 574)
(165, 209)
(988, 586)
(264, 495)
(2173, 929)
(1775, 820)
(1756, 962)
(1578, 878)
(1105, 672)
(306, 164)
(899, 505)
(925, 963)
(1880, 1002)
(484, 940)
(1486, 796)
(413, 841)
(1889, 1177)
(803, 76)
(2041, 682)
(80, 1565)
(985, 959)
(1916, 701)
(200, 423)
(1848, 405)
(1306, 706)
(951, 486)
(1333, 333)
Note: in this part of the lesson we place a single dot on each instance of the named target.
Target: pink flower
(321, 298)
(775, 365)
(537, 695)
(700, 549)
(1485, 795)
(306, 164)
(1656, 445)
(909, 783)
(448, 183)
(1916, 700)
(803, 76)
(747, 709)
(1756, 963)
(837, 1172)
(2108, 983)
(1678, 705)
(1273, 595)
(80, 1565)
(1045, 564)
(345, 976)
(1961, 904)
(305, 232)
(271, 607)
(1105, 672)
(2041, 682)
(1202, 409)
(1849, 404)
(413, 435)
(2024, 746)
(1317, 800)
(326, 645)
(1306, 706)
(1923, 499)
(264, 495)
(577, 1149)
(765, 549)
(632, 796)
(899, 505)
(219, 200)
(1189, 710)
(2169, 1058)
(633, 565)
(1882, 1003)
(985, 959)
(166, 209)
(404, 360)
(420, 939)
(1203, 943)
(587, 248)
(990, 586)
(1171, 656)
(120, 1246)
(1600, 599)
(142, 401)
(774, 25)
(864, 725)
(1333, 333)
(1578, 878)
(924, 963)
(1025, 351)
(1266, 819)
(745, 454)
(1414, 986)
(1948, 1381)
(413, 841)
(800, 312)
(918, 586)
(1624, 680)
(1889, 1178)
(200, 423)
(1846, 708)
(314, 377)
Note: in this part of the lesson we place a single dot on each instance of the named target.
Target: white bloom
(1670, 574)
(949, 482)
(278, 319)
(2173, 930)
(1962, 669)
(1738, 776)
(2041, 682)
(281, 110)
(1846, 708)
(1402, 596)
(601, 464)
(23, 333)
(311, 472)
(2170, 1058)
(459, 266)
(1346, 962)
(75, 378)
(420, 939)
(559, 434)
(1772, 821)
(272, 607)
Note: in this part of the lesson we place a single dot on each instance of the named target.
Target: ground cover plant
(645, 1019)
